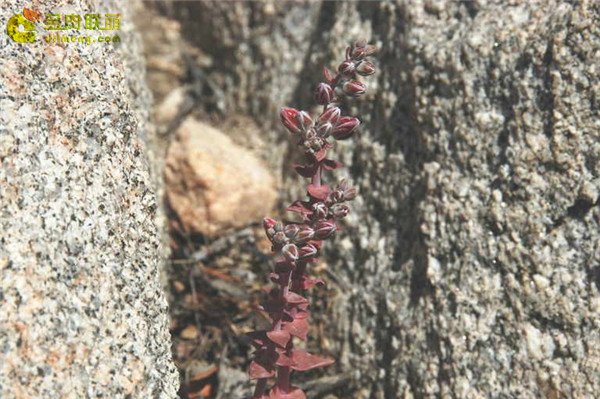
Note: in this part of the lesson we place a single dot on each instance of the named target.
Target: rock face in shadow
(470, 267)
(82, 312)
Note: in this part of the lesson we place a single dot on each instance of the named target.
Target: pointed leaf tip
(306, 361)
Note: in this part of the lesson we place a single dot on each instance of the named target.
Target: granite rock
(82, 311)
(213, 184)
(470, 266)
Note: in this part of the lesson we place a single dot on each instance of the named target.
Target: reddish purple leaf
(305, 361)
(330, 164)
(300, 207)
(283, 359)
(297, 328)
(292, 297)
(320, 193)
(283, 266)
(280, 337)
(258, 370)
(258, 338)
(321, 154)
(305, 170)
(328, 75)
(308, 283)
(293, 393)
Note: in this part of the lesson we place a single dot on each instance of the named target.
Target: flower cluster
(299, 243)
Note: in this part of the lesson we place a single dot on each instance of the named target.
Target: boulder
(214, 185)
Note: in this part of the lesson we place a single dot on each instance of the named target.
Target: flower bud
(320, 210)
(350, 194)
(354, 88)
(358, 53)
(365, 68)
(336, 196)
(288, 118)
(324, 94)
(340, 211)
(331, 115)
(290, 251)
(308, 251)
(325, 129)
(310, 134)
(303, 120)
(291, 230)
(370, 49)
(278, 226)
(305, 234)
(347, 68)
(343, 185)
(324, 229)
(360, 43)
(268, 223)
(345, 127)
(279, 238)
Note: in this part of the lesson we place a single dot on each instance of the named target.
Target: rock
(168, 109)
(472, 269)
(214, 185)
(82, 311)
(190, 332)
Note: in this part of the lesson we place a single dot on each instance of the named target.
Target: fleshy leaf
(280, 337)
(308, 283)
(330, 164)
(292, 297)
(283, 359)
(300, 207)
(297, 328)
(321, 154)
(320, 192)
(258, 338)
(305, 170)
(305, 361)
(257, 371)
(293, 393)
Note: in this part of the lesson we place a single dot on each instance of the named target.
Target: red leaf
(320, 155)
(280, 337)
(308, 283)
(297, 328)
(305, 361)
(300, 207)
(320, 193)
(283, 266)
(273, 305)
(284, 360)
(259, 371)
(330, 164)
(292, 297)
(305, 170)
(328, 75)
(258, 338)
(293, 393)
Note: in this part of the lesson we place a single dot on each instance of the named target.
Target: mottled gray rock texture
(82, 312)
(471, 265)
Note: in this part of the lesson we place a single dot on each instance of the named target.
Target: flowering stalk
(298, 244)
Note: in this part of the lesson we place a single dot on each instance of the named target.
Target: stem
(259, 390)
(283, 372)
(316, 179)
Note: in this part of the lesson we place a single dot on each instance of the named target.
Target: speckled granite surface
(82, 313)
